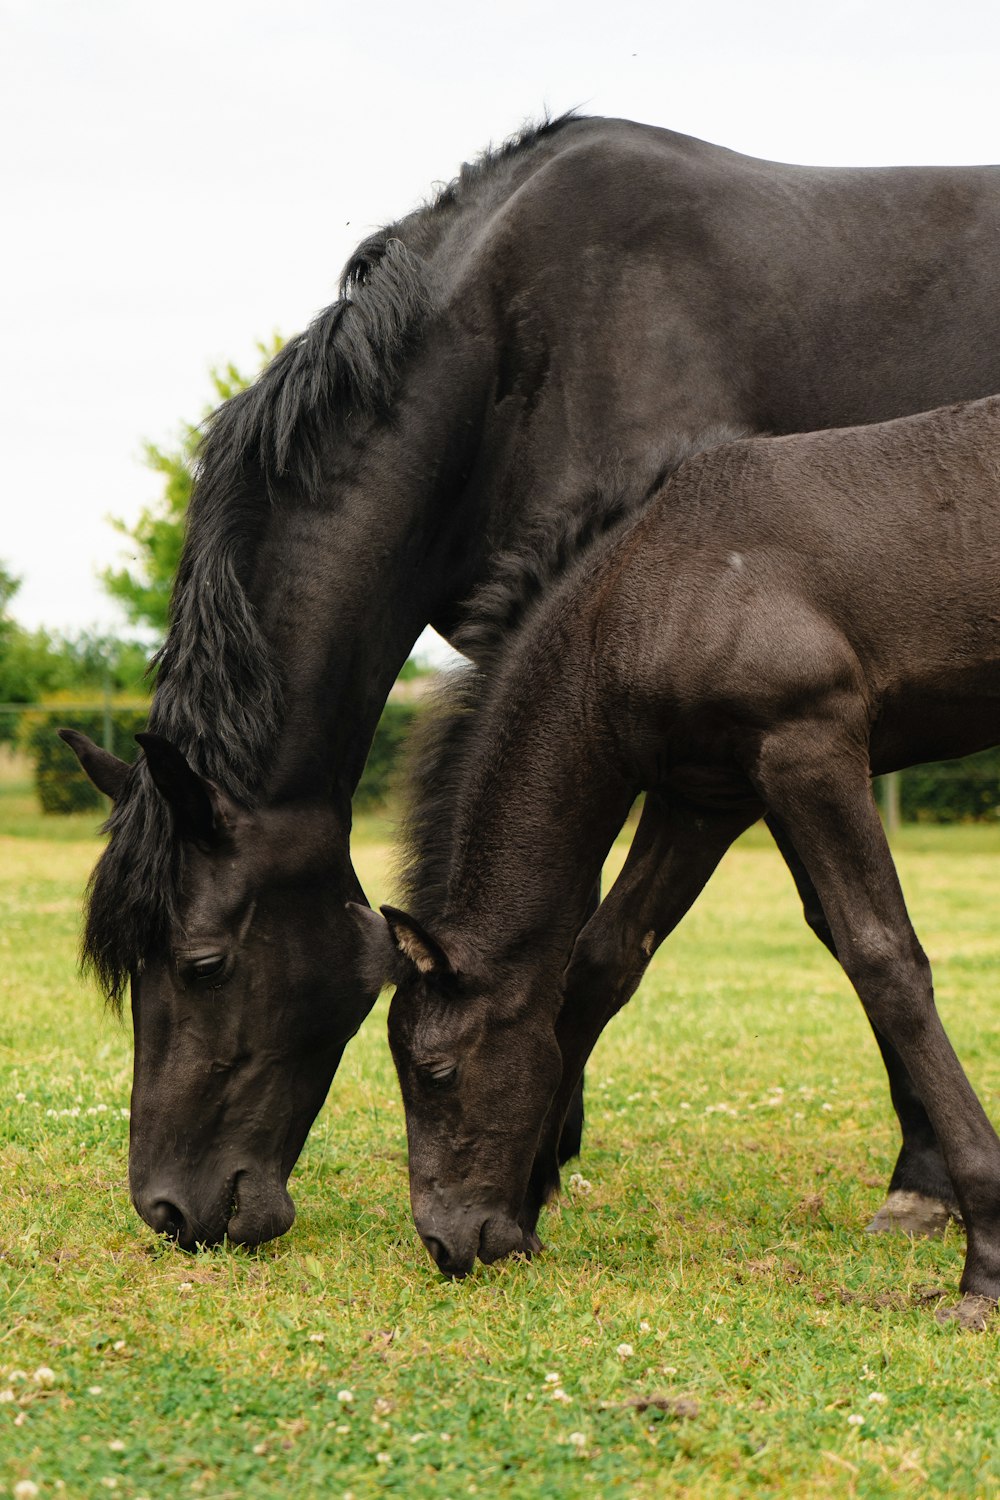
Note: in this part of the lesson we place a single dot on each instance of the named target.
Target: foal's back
(861, 565)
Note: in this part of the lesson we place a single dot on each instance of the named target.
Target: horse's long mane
(218, 695)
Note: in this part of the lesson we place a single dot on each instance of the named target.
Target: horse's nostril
(166, 1218)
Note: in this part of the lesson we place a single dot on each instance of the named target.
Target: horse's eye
(211, 966)
(441, 1075)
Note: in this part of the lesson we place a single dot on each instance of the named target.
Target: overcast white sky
(181, 179)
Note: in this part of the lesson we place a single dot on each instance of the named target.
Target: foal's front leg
(674, 852)
(817, 781)
(921, 1199)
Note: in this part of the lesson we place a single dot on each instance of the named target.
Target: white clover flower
(94, 1390)
(7, 1395)
(579, 1184)
(317, 1338)
(25, 1489)
(381, 1407)
(383, 1458)
(116, 1445)
(345, 1397)
(643, 1325)
(855, 1419)
(20, 1098)
(44, 1377)
(16, 1375)
(878, 1398)
(118, 1345)
(552, 1378)
(624, 1351)
(560, 1395)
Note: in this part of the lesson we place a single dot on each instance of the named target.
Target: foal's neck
(539, 808)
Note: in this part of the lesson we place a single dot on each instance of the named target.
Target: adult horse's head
(227, 921)
(478, 1066)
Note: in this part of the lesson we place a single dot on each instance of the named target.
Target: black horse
(597, 298)
(787, 616)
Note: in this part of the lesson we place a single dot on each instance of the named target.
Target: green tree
(142, 587)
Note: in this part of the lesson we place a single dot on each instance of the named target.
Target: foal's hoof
(973, 1312)
(913, 1214)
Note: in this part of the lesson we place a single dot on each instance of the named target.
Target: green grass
(738, 1137)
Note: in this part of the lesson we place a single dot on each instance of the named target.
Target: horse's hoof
(913, 1214)
(973, 1313)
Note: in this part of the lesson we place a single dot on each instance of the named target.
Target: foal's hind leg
(921, 1199)
(819, 781)
(674, 851)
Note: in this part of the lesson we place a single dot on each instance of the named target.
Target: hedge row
(950, 791)
(59, 782)
(62, 787)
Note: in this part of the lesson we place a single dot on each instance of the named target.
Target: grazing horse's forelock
(218, 694)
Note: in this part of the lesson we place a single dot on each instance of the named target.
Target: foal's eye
(440, 1075)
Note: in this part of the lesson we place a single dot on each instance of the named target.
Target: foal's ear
(201, 808)
(105, 770)
(416, 943)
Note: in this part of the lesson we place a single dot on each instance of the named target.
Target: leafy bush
(953, 791)
(59, 782)
(63, 788)
(384, 756)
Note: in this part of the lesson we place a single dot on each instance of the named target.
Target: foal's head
(478, 1065)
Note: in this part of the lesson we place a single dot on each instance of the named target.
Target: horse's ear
(379, 957)
(416, 943)
(105, 770)
(200, 807)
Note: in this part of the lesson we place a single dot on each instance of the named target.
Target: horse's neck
(340, 602)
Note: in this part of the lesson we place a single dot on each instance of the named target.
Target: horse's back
(649, 286)
(784, 575)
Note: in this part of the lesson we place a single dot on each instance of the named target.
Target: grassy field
(708, 1318)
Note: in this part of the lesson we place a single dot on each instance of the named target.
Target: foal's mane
(218, 694)
(526, 585)
(523, 584)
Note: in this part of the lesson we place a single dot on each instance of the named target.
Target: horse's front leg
(921, 1199)
(673, 854)
(571, 1133)
(817, 780)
